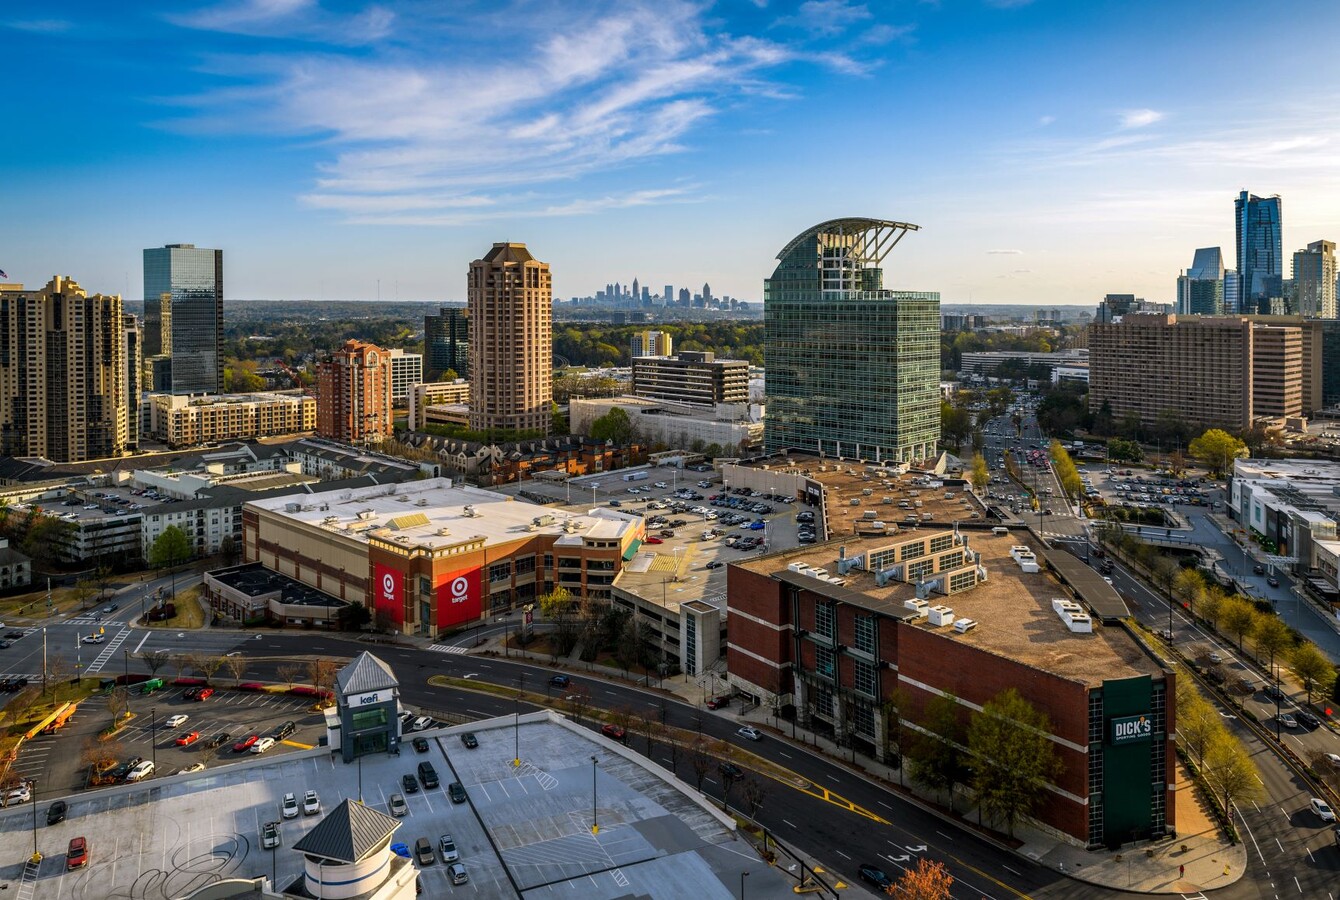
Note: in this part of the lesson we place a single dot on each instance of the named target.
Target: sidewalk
(1208, 862)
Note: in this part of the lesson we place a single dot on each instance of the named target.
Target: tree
(1197, 723)
(58, 668)
(1123, 450)
(228, 550)
(289, 672)
(1238, 618)
(935, 757)
(1270, 637)
(930, 880)
(118, 703)
(1212, 605)
(1013, 761)
(170, 548)
(155, 659)
(981, 475)
(99, 753)
(1229, 772)
(1188, 586)
(578, 700)
(1217, 449)
(955, 424)
(181, 662)
(352, 617)
(236, 664)
(700, 758)
(613, 426)
(83, 592)
(206, 664)
(1312, 669)
(321, 672)
(755, 790)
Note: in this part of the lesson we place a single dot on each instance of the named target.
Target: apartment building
(189, 421)
(406, 371)
(1277, 371)
(651, 343)
(435, 393)
(697, 378)
(354, 393)
(511, 340)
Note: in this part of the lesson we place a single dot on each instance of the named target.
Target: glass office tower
(853, 370)
(183, 314)
(1260, 250)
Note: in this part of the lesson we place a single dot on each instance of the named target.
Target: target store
(429, 557)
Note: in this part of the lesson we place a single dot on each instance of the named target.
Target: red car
(717, 702)
(203, 694)
(613, 731)
(188, 738)
(653, 540)
(244, 745)
(76, 857)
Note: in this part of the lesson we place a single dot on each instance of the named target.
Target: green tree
(1238, 618)
(170, 548)
(955, 424)
(981, 475)
(1013, 761)
(1212, 605)
(1271, 636)
(1312, 669)
(1188, 587)
(935, 757)
(1217, 449)
(1229, 771)
(613, 426)
(1121, 449)
(558, 419)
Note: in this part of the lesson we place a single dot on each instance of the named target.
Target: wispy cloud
(300, 19)
(1044, 121)
(1004, 253)
(447, 120)
(1008, 4)
(1139, 118)
(41, 26)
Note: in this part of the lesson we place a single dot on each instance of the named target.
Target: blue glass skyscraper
(183, 314)
(1260, 250)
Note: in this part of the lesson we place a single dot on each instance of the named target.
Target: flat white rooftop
(436, 513)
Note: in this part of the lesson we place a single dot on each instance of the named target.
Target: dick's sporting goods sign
(1129, 729)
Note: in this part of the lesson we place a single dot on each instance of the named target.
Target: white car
(89, 638)
(262, 745)
(193, 767)
(1216, 658)
(21, 794)
(311, 804)
(751, 733)
(1322, 809)
(288, 808)
(176, 721)
(140, 772)
(1333, 759)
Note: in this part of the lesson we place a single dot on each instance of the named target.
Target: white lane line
(137, 650)
(788, 823)
(843, 855)
(1008, 869)
(883, 804)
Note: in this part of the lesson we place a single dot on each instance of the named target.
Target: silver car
(447, 847)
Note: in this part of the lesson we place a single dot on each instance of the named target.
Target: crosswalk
(448, 648)
(108, 652)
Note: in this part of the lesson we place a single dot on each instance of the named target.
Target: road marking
(883, 804)
(141, 643)
(787, 823)
(843, 855)
(1008, 869)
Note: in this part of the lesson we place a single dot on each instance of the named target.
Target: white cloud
(1004, 253)
(41, 26)
(445, 120)
(1139, 118)
(1044, 121)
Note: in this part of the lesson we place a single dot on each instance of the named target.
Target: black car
(1307, 720)
(284, 730)
(560, 681)
(1273, 581)
(875, 876)
(1258, 569)
(456, 791)
(469, 740)
(14, 635)
(730, 771)
(420, 745)
(56, 812)
(410, 784)
(190, 693)
(220, 739)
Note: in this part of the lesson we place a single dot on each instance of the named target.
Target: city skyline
(338, 153)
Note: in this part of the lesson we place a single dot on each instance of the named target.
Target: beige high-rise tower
(63, 376)
(511, 341)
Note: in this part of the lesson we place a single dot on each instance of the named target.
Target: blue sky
(1051, 151)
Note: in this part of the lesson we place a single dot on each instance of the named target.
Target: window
(912, 551)
(962, 581)
(425, 585)
(863, 719)
(866, 680)
(920, 569)
(369, 718)
(548, 561)
(941, 542)
(824, 662)
(865, 634)
(500, 572)
(525, 565)
(823, 619)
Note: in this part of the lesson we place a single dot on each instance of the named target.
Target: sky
(1051, 151)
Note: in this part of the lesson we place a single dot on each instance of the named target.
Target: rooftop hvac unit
(884, 577)
(917, 606)
(403, 498)
(797, 567)
(817, 573)
(940, 615)
(366, 514)
(469, 512)
(543, 520)
(963, 626)
(330, 520)
(444, 531)
(422, 501)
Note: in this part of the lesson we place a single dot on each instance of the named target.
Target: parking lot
(55, 760)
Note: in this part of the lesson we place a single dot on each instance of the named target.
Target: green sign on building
(1129, 729)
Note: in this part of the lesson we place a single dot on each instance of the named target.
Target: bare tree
(58, 668)
(100, 753)
(181, 662)
(155, 659)
(755, 792)
(623, 717)
(322, 673)
(83, 592)
(578, 700)
(289, 672)
(22, 704)
(208, 665)
(675, 747)
(701, 760)
(118, 703)
(236, 664)
(653, 731)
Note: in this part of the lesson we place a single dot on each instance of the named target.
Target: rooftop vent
(917, 606)
(963, 626)
(797, 567)
(940, 615)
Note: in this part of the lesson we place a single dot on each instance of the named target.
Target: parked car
(270, 835)
(56, 812)
(398, 806)
(76, 855)
(203, 694)
(246, 743)
(311, 804)
(717, 702)
(457, 872)
(263, 745)
(613, 731)
(456, 791)
(447, 847)
(875, 876)
(751, 733)
(21, 794)
(423, 852)
(420, 723)
(288, 807)
(219, 739)
(140, 772)
(420, 745)
(188, 738)
(469, 740)
(409, 784)
(193, 767)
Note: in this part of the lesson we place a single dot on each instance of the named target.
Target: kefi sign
(1128, 729)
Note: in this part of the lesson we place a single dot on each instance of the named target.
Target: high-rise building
(651, 343)
(183, 314)
(637, 291)
(62, 373)
(685, 298)
(406, 371)
(131, 326)
(1200, 291)
(1208, 371)
(353, 394)
(1314, 277)
(707, 294)
(853, 368)
(1260, 250)
(669, 295)
(446, 343)
(696, 377)
(512, 340)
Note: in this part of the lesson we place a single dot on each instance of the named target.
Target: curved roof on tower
(850, 225)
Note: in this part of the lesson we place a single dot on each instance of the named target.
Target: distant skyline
(1051, 151)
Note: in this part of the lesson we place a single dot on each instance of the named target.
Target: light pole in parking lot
(153, 736)
(743, 876)
(595, 826)
(516, 721)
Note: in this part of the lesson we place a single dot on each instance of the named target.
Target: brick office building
(835, 631)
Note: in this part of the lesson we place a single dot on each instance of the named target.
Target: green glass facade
(853, 370)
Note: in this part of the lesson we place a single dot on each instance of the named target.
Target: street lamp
(595, 826)
(743, 876)
(153, 736)
(516, 721)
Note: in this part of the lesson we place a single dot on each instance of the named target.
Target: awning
(632, 550)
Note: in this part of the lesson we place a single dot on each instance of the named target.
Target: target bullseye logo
(460, 589)
(388, 586)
